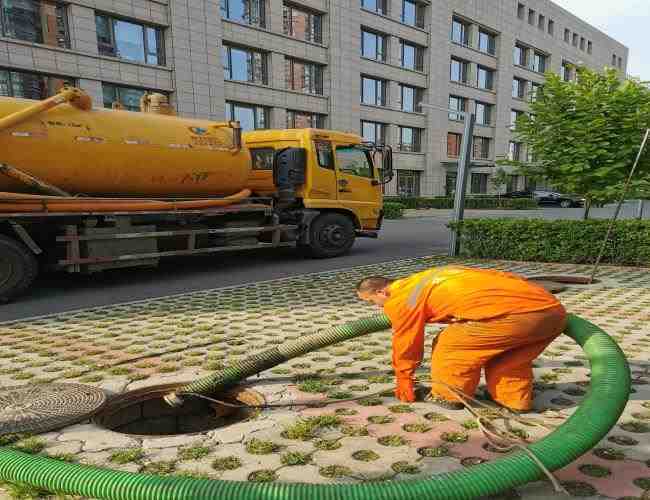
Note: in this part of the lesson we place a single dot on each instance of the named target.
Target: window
(29, 85)
(566, 71)
(410, 139)
(244, 65)
(481, 147)
(459, 31)
(457, 103)
(567, 35)
(485, 78)
(582, 43)
(614, 60)
(303, 119)
(244, 11)
(487, 42)
(412, 13)
(35, 21)
(410, 98)
(590, 47)
(541, 22)
(520, 55)
(373, 45)
(518, 88)
(459, 70)
(534, 91)
(450, 183)
(354, 161)
(408, 183)
(539, 62)
(511, 183)
(514, 151)
(250, 117)
(521, 11)
(412, 56)
(479, 183)
(128, 40)
(575, 39)
(531, 16)
(373, 132)
(551, 27)
(483, 113)
(324, 154)
(128, 97)
(378, 6)
(620, 63)
(303, 76)
(262, 158)
(454, 142)
(302, 24)
(373, 91)
(514, 116)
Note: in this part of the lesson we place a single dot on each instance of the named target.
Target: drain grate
(42, 408)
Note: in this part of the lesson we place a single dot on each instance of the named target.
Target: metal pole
(461, 182)
(639, 210)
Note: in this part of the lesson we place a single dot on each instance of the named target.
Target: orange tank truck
(85, 190)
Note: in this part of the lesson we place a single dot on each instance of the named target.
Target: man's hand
(405, 390)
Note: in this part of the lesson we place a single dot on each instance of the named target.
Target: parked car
(549, 198)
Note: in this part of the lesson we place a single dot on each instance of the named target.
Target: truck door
(357, 186)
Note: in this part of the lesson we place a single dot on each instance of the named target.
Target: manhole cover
(566, 279)
(42, 408)
(145, 412)
(550, 286)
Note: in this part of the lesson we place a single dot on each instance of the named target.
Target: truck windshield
(354, 161)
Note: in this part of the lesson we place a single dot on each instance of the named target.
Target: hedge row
(483, 202)
(393, 210)
(564, 241)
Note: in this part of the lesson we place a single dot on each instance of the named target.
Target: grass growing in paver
(260, 447)
(161, 468)
(226, 463)
(434, 451)
(308, 428)
(405, 468)
(335, 471)
(381, 419)
(418, 427)
(401, 409)
(262, 476)
(314, 385)
(636, 427)
(327, 444)
(594, 470)
(31, 445)
(454, 437)
(194, 452)
(392, 440)
(295, 458)
(365, 455)
(609, 453)
(126, 456)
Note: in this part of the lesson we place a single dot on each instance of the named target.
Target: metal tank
(64, 142)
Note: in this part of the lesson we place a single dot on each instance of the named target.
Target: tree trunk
(585, 214)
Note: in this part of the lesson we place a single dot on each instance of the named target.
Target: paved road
(62, 292)
(412, 237)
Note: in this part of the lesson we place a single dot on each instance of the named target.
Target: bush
(471, 202)
(393, 210)
(565, 241)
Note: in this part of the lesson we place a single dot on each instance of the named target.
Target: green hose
(592, 420)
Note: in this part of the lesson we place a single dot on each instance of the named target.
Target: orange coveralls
(497, 320)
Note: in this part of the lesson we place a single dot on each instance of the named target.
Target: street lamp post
(461, 174)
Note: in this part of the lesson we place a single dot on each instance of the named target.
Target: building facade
(363, 66)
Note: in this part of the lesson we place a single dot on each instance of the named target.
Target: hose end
(173, 399)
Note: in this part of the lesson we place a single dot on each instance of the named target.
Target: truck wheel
(331, 235)
(18, 268)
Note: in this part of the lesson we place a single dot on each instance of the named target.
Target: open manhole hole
(145, 412)
(558, 283)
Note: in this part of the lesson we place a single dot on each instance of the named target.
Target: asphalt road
(399, 239)
(59, 292)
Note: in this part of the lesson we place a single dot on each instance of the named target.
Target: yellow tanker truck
(85, 190)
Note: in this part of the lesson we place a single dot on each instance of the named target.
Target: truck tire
(331, 235)
(18, 268)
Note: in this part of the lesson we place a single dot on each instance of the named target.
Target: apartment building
(356, 65)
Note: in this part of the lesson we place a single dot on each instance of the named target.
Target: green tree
(585, 135)
(499, 179)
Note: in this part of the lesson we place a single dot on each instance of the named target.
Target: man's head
(374, 289)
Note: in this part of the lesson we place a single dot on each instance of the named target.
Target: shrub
(393, 210)
(471, 202)
(563, 241)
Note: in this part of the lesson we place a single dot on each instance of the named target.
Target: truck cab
(342, 174)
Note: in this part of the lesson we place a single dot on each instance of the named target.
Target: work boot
(488, 397)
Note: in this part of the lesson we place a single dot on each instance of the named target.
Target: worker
(496, 320)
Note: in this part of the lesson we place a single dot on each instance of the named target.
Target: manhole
(549, 286)
(145, 412)
(46, 407)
